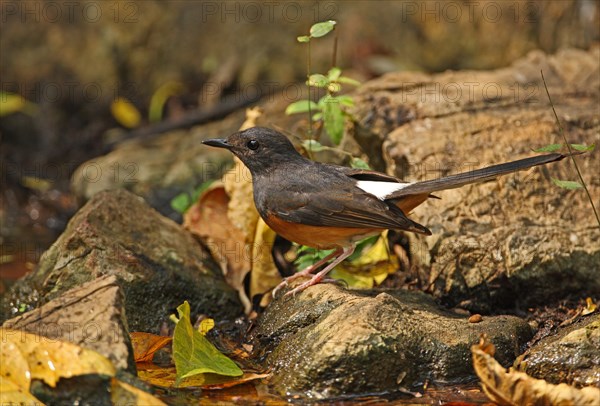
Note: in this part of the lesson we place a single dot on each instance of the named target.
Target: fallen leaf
(125, 113)
(264, 274)
(209, 219)
(28, 356)
(590, 307)
(146, 344)
(206, 325)
(370, 267)
(226, 218)
(166, 376)
(517, 388)
(194, 354)
(13, 393)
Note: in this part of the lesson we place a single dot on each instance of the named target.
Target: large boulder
(157, 264)
(328, 342)
(516, 241)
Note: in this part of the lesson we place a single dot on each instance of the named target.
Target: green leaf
(317, 116)
(359, 163)
(346, 100)
(194, 354)
(348, 81)
(334, 73)
(312, 145)
(549, 148)
(301, 106)
(308, 256)
(318, 80)
(567, 184)
(321, 29)
(181, 202)
(333, 119)
(303, 38)
(583, 147)
(200, 189)
(362, 245)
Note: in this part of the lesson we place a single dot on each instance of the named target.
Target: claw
(317, 278)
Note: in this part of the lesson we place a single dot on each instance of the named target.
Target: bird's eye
(252, 144)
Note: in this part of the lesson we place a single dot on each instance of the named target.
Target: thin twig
(561, 131)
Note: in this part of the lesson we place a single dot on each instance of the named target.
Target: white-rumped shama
(328, 206)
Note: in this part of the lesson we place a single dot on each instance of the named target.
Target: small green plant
(183, 201)
(329, 109)
(567, 184)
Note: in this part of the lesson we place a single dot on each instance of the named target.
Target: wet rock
(328, 342)
(91, 316)
(509, 242)
(157, 264)
(571, 356)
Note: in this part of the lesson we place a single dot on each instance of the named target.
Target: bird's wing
(348, 208)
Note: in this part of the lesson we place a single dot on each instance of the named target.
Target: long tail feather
(479, 175)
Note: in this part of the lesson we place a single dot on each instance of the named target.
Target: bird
(327, 206)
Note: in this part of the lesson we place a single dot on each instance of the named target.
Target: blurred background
(79, 76)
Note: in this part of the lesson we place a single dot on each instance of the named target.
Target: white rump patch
(381, 190)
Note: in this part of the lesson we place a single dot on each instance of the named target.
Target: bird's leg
(319, 276)
(306, 271)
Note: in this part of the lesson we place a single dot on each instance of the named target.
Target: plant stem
(335, 47)
(561, 131)
(310, 132)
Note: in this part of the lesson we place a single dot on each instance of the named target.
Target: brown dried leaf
(517, 388)
(165, 377)
(146, 344)
(209, 219)
(226, 218)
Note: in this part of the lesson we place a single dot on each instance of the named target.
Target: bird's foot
(316, 279)
(306, 272)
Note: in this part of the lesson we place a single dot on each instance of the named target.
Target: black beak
(219, 143)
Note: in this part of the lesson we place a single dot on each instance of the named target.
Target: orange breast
(319, 237)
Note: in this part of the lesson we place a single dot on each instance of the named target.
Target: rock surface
(159, 169)
(91, 316)
(512, 241)
(328, 341)
(572, 356)
(157, 264)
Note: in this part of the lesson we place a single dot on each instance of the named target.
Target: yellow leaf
(160, 97)
(205, 326)
(264, 274)
(28, 356)
(11, 103)
(33, 182)
(590, 307)
(369, 269)
(12, 393)
(125, 113)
